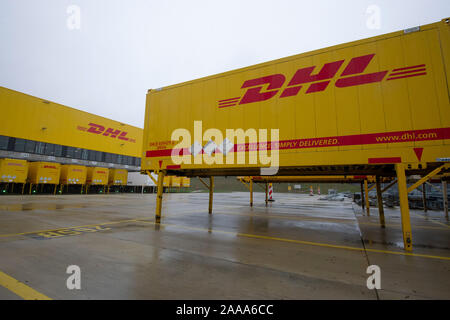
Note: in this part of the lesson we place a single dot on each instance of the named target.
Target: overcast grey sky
(121, 48)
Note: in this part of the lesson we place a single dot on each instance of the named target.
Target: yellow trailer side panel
(185, 182)
(97, 176)
(32, 118)
(175, 181)
(73, 174)
(166, 181)
(44, 172)
(13, 170)
(118, 177)
(381, 100)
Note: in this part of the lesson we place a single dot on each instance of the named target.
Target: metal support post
(159, 195)
(380, 202)
(251, 192)
(445, 198)
(267, 191)
(366, 194)
(211, 191)
(362, 197)
(404, 207)
(424, 197)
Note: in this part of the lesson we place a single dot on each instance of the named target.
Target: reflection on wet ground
(296, 247)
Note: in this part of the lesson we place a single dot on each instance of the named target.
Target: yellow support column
(54, 191)
(159, 195)
(211, 190)
(404, 207)
(31, 187)
(366, 197)
(251, 192)
(380, 202)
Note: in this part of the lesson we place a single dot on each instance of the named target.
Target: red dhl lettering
(267, 87)
(15, 164)
(49, 167)
(109, 132)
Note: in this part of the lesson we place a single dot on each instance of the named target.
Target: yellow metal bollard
(251, 192)
(159, 195)
(404, 207)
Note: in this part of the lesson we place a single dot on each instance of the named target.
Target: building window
(99, 156)
(84, 154)
(69, 152)
(49, 149)
(40, 148)
(4, 143)
(77, 153)
(113, 158)
(30, 146)
(19, 145)
(58, 150)
(92, 155)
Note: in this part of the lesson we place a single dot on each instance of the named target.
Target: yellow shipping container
(13, 171)
(73, 174)
(359, 105)
(118, 177)
(175, 181)
(97, 176)
(167, 180)
(185, 182)
(44, 172)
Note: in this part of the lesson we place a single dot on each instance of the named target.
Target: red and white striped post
(318, 191)
(311, 191)
(270, 192)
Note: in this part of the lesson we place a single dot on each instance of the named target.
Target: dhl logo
(15, 164)
(111, 132)
(352, 75)
(49, 167)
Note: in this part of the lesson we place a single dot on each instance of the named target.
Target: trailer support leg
(54, 190)
(31, 187)
(251, 192)
(159, 196)
(267, 193)
(366, 194)
(404, 207)
(362, 197)
(424, 197)
(23, 187)
(211, 191)
(380, 203)
(445, 198)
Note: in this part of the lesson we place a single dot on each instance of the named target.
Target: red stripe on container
(412, 67)
(385, 160)
(410, 75)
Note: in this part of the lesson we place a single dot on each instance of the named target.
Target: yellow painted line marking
(431, 220)
(20, 288)
(327, 220)
(242, 235)
(247, 235)
(63, 228)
